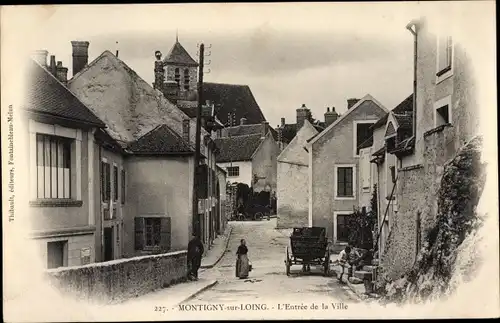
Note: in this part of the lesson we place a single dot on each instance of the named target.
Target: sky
(289, 54)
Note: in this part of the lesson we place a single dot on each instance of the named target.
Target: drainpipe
(413, 27)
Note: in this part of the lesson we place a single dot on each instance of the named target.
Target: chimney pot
(303, 105)
(327, 109)
(53, 65)
(62, 73)
(40, 56)
(59, 64)
(185, 130)
(282, 122)
(80, 55)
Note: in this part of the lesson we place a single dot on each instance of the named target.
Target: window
(115, 183)
(342, 228)
(152, 233)
(442, 115)
(185, 129)
(105, 181)
(56, 254)
(177, 76)
(363, 135)
(445, 54)
(233, 171)
(53, 167)
(123, 186)
(186, 79)
(442, 112)
(345, 182)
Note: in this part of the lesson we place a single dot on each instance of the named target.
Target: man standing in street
(195, 252)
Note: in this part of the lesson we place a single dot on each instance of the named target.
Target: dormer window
(186, 79)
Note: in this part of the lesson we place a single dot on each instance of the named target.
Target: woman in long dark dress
(242, 263)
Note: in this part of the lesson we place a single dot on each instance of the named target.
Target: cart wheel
(258, 216)
(287, 262)
(326, 265)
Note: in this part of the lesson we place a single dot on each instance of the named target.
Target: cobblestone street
(267, 281)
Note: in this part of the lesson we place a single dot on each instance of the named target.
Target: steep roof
(294, 152)
(230, 98)
(240, 148)
(159, 141)
(403, 108)
(46, 95)
(360, 102)
(128, 105)
(179, 55)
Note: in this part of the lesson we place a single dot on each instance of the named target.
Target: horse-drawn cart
(309, 246)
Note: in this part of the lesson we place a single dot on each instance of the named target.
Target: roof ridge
(230, 84)
(247, 135)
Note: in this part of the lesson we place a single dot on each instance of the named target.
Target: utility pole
(196, 220)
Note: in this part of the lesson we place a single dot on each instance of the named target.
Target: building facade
(445, 117)
(293, 180)
(334, 167)
(63, 181)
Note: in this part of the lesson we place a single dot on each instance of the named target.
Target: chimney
(351, 102)
(185, 130)
(243, 121)
(330, 116)
(302, 114)
(62, 73)
(80, 55)
(52, 66)
(265, 126)
(282, 122)
(40, 56)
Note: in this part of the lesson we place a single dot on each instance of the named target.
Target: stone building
(249, 157)
(150, 142)
(333, 167)
(293, 180)
(443, 117)
(63, 167)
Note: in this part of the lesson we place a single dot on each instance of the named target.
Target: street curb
(198, 292)
(222, 254)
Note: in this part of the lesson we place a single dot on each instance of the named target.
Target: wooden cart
(309, 247)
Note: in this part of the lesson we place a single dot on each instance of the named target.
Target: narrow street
(268, 281)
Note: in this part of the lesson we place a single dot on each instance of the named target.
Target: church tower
(180, 77)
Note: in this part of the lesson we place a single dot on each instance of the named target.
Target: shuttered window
(365, 169)
(364, 136)
(105, 181)
(152, 232)
(115, 183)
(342, 228)
(445, 54)
(123, 186)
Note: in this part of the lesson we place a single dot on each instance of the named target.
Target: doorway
(108, 244)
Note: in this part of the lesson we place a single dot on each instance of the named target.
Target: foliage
(461, 187)
(374, 211)
(360, 225)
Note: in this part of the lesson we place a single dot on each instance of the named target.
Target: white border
(448, 74)
(355, 132)
(354, 183)
(440, 103)
(334, 235)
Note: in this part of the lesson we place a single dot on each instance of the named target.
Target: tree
(360, 228)
(374, 211)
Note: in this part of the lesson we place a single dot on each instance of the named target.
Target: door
(55, 254)
(108, 244)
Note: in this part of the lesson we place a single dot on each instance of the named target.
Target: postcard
(249, 161)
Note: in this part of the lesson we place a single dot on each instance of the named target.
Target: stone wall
(400, 250)
(118, 280)
(293, 196)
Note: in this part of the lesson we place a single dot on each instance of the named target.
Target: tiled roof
(159, 141)
(238, 148)
(390, 130)
(230, 98)
(404, 108)
(379, 152)
(405, 121)
(249, 129)
(46, 95)
(179, 55)
(404, 146)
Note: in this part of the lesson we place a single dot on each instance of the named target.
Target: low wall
(117, 280)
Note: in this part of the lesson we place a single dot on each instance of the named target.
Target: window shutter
(443, 57)
(366, 168)
(139, 233)
(166, 236)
